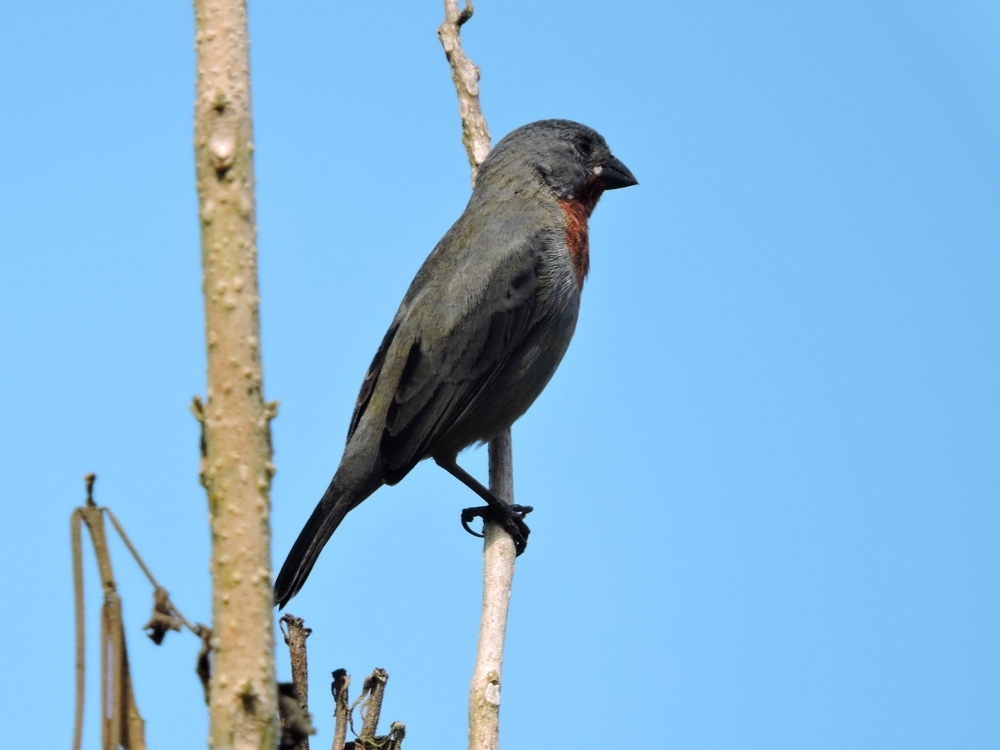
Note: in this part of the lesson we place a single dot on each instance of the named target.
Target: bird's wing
(461, 340)
(371, 377)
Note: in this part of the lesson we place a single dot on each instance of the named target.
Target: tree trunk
(236, 467)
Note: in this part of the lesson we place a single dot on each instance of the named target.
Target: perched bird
(480, 331)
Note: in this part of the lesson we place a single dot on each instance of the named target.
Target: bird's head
(567, 158)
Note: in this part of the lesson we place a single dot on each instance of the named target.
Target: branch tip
(89, 480)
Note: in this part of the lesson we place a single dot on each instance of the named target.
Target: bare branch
(236, 466)
(372, 693)
(498, 548)
(164, 610)
(498, 576)
(371, 709)
(75, 521)
(465, 74)
(339, 688)
(121, 723)
(295, 639)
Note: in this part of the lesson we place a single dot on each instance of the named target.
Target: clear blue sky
(766, 474)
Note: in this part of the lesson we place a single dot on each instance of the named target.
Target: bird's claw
(468, 514)
(511, 519)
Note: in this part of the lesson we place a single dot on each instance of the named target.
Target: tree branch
(295, 639)
(498, 577)
(372, 710)
(498, 547)
(121, 724)
(339, 687)
(236, 466)
(465, 74)
(370, 700)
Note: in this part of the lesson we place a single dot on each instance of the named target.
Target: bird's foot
(510, 518)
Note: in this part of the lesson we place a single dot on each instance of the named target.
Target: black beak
(616, 175)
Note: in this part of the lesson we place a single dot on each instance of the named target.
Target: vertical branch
(465, 74)
(498, 576)
(236, 463)
(75, 539)
(498, 547)
(339, 688)
(372, 709)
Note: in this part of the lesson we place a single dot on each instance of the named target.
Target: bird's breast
(577, 237)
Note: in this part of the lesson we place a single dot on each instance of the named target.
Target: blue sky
(765, 475)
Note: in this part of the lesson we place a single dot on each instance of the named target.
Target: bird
(480, 331)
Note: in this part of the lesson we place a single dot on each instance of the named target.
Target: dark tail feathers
(324, 520)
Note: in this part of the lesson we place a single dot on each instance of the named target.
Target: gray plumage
(481, 329)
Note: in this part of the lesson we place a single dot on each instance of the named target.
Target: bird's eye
(585, 145)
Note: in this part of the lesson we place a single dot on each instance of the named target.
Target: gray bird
(480, 331)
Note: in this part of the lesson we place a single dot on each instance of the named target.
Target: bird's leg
(510, 517)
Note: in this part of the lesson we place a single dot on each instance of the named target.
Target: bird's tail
(336, 502)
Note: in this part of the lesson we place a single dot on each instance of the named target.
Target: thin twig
(131, 548)
(159, 592)
(75, 521)
(121, 720)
